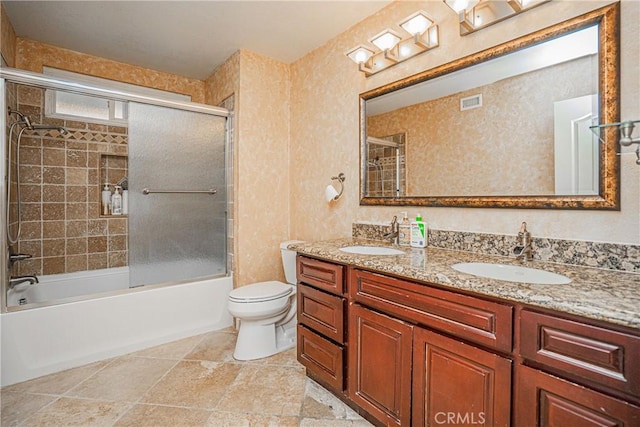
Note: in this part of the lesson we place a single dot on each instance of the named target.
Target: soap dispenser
(116, 202)
(404, 231)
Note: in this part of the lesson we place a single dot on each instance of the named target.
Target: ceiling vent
(471, 102)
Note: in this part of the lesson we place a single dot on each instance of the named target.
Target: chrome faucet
(393, 234)
(522, 249)
(14, 281)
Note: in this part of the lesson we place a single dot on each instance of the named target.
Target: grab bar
(146, 191)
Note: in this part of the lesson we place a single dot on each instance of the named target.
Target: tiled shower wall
(62, 227)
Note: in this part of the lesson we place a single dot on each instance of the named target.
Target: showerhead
(62, 130)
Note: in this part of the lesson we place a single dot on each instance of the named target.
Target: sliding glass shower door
(177, 201)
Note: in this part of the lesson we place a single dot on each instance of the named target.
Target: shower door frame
(47, 82)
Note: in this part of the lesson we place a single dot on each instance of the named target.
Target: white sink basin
(371, 250)
(512, 273)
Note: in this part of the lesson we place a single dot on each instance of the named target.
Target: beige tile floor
(190, 382)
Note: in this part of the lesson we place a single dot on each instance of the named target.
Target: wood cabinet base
(545, 400)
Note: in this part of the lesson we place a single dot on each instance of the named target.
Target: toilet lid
(263, 291)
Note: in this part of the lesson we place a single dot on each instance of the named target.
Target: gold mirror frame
(608, 19)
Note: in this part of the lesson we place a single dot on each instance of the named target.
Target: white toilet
(267, 313)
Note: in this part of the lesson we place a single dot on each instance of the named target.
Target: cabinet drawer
(545, 400)
(324, 275)
(576, 349)
(321, 357)
(322, 312)
(483, 322)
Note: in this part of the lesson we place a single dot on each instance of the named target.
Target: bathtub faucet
(13, 281)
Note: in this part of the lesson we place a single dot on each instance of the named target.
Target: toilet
(266, 312)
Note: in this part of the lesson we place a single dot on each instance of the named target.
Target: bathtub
(59, 288)
(39, 339)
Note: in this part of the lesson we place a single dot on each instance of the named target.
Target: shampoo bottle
(404, 231)
(116, 202)
(106, 199)
(418, 233)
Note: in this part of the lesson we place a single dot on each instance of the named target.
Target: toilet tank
(289, 261)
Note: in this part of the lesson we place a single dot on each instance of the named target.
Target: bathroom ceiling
(188, 38)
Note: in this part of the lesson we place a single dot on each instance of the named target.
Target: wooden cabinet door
(544, 400)
(380, 365)
(458, 384)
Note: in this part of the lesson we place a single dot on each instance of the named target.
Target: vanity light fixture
(360, 54)
(418, 34)
(474, 15)
(330, 193)
(626, 134)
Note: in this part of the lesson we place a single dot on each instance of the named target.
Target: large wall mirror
(505, 127)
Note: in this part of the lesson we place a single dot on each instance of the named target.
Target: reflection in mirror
(386, 170)
(505, 127)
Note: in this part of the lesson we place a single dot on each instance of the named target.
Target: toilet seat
(261, 292)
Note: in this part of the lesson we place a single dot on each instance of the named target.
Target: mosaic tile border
(610, 256)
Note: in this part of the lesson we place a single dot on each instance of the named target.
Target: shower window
(66, 105)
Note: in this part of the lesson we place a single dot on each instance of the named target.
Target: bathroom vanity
(406, 340)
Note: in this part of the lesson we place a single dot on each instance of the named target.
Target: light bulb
(461, 5)
(418, 24)
(385, 40)
(361, 56)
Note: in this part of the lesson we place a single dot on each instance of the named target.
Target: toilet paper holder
(330, 192)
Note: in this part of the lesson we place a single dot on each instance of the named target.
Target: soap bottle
(418, 233)
(404, 231)
(106, 199)
(116, 202)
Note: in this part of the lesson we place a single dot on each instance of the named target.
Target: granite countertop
(605, 295)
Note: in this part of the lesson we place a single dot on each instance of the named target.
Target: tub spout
(14, 281)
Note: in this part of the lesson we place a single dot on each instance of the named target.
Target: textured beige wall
(262, 168)
(224, 82)
(7, 38)
(325, 129)
(33, 56)
(504, 147)
(262, 179)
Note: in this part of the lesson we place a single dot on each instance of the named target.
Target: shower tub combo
(170, 279)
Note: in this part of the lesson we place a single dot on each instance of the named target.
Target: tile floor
(190, 382)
